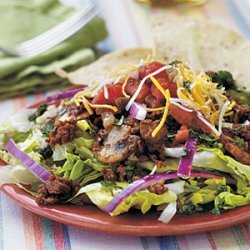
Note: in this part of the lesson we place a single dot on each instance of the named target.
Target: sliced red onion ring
(63, 95)
(27, 161)
(186, 161)
(146, 181)
(138, 111)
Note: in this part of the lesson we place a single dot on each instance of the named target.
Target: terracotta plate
(133, 224)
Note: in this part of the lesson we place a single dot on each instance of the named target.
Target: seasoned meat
(157, 161)
(117, 145)
(238, 153)
(146, 129)
(239, 133)
(63, 132)
(109, 174)
(121, 103)
(157, 188)
(242, 114)
(133, 123)
(56, 191)
(77, 113)
(155, 115)
(114, 175)
(120, 171)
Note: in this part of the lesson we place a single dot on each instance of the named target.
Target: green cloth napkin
(23, 19)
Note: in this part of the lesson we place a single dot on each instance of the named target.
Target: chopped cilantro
(39, 111)
(171, 134)
(45, 152)
(204, 138)
(175, 62)
(62, 112)
(223, 78)
(239, 141)
(107, 183)
(47, 128)
(130, 82)
(119, 122)
(129, 172)
(187, 84)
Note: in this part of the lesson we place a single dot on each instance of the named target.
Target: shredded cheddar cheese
(158, 85)
(123, 87)
(104, 106)
(154, 109)
(165, 114)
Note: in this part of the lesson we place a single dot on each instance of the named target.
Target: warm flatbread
(203, 44)
(106, 63)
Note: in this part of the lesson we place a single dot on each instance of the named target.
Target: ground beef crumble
(114, 175)
(56, 191)
(63, 132)
(157, 188)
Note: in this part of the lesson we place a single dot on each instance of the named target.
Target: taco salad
(146, 136)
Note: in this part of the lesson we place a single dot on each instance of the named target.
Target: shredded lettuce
(212, 195)
(211, 159)
(79, 170)
(227, 200)
(20, 174)
(18, 122)
(101, 195)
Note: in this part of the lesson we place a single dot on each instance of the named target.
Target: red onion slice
(27, 161)
(138, 111)
(186, 161)
(146, 181)
(63, 95)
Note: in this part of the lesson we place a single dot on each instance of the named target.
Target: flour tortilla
(203, 44)
(106, 64)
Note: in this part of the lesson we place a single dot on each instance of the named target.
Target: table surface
(128, 24)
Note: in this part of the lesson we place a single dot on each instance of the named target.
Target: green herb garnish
(223, 78)
(119, 122)
(45, 152)
(175, 62)
(204, 138)
(40, 110)
(187, 84)
(239, 141)
(47, 128)
(107, 183)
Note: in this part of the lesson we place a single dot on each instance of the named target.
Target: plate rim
(237, 216)
(216, 222)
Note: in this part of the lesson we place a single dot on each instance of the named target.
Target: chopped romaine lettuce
(101, 195)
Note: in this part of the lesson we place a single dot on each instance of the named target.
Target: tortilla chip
(105, 64)
(203, 44)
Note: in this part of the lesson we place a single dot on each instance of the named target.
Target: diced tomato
(114, 92)
(156, 92)
(132, 86)
(182, 135)
(173, 89)
(150, 68)
(99, 98)
(189, 119)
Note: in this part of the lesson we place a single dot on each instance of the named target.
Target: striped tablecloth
(128, 25)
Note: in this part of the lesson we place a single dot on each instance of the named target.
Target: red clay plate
(133, 223)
